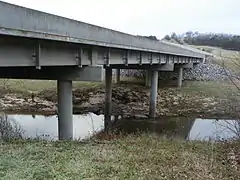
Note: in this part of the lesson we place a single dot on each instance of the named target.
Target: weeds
(127, 157)
(9, 129)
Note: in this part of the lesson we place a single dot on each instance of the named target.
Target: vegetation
(9, 129)
(22, 85)
(225, 41)
(131, 157)
(218, 89)
(144, 156)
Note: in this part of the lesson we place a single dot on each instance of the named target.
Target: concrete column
(148, 74)
(153, 94)
(180, 77)
(118, 74)
(108, 99)
(65, 110)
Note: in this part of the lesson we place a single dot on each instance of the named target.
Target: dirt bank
(128, 101)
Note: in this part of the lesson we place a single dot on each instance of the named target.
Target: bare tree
(233, 126)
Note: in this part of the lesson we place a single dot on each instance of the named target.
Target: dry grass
(221, 89)
(131, 157)
(24, 85)
(231, 59)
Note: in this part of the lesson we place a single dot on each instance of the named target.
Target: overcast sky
(147, 17)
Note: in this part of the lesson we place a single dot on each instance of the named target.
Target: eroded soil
(127, 101)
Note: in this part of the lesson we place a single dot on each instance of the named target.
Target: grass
(23, 85)
(219, 89)
(231, 59)
(132, 157)
(40, 85)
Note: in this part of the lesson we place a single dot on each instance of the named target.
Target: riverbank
(201, 99)
(123, 157)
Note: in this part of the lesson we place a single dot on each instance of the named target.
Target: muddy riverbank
(128, 101)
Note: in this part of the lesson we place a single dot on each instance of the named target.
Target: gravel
(207, 71)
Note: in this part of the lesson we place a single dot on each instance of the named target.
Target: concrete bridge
(37, 45)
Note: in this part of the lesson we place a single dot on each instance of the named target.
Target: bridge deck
(24, 22)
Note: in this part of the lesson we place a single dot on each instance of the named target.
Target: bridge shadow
(176, 127)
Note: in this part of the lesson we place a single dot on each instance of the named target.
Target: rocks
(127, 101)
(134, 102)
(207, 71)
(204, 71)
(14, 103)
(234, 158)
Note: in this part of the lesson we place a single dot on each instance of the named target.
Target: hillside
(229, 58)
(224, 47)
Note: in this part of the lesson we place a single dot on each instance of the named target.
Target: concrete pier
(148, 74)
(118, 74)
(108, 99)
(180, 77)
(65, 110)
(153, 94)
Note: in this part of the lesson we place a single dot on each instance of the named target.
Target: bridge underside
(65, 76)
(37, 45)
(32, 58)
(27, 58)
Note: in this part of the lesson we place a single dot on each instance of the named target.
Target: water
(212, 129)
(84, 126)
(46, 127)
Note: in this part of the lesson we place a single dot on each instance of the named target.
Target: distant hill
(225, 41)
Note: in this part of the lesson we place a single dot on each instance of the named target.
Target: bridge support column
(148, 74)
(180, 77)
(108, 99)
(118, 74)
(65, 110)
(153, 94)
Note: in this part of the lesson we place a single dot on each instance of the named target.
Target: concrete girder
(164, 67)
(185, 66)
(86, 73)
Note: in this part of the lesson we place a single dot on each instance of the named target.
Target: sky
(147, 17)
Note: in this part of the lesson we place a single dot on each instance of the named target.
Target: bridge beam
(153, 94)
(65, 110)
(108, 99)
(185, 66)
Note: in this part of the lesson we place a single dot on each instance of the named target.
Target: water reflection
(45, 127)
(185, 128)
(212, 129)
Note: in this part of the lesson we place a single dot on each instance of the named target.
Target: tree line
(225, 41)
